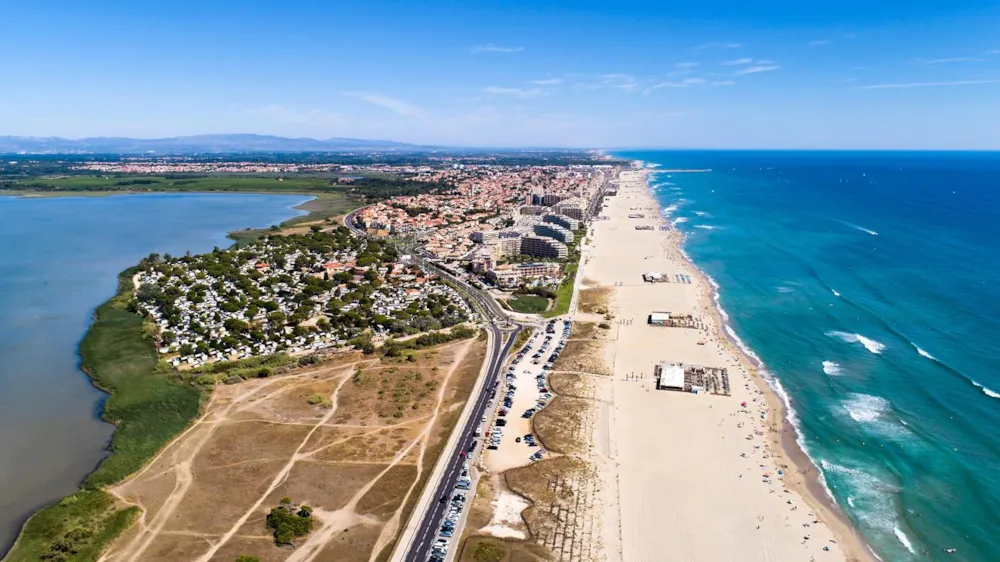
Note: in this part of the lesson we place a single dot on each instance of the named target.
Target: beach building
(687, 377)
(485, 236)
(553, 231)
(560, 220)
(672, 320)
(574, 208)
(511, 275)
(670, 376)
(543, 247)
(655, 277)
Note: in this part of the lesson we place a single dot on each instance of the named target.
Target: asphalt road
(432, 518)
(430, 523)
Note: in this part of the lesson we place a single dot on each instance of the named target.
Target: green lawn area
(529, 304)
(148, 409)
(564, 294)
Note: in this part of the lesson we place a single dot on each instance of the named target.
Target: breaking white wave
(871, 345)
(700, 213)
(785, 290)
(705, 226)
(831, 368)
(835, 293)
(869, 496)
(923, 353)
(903, 539)
(668, 210)
(865, 408)
(987, 391)
(678, 221)
(858, 227)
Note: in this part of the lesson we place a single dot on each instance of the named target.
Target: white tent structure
(671, 377)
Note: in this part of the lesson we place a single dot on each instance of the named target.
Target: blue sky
(710, 73)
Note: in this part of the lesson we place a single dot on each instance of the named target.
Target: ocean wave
(706, 226)
(864, 408)
(987, 391)
(785, 290)
(831, 368)
(668, 210)
(924, 353)
(858, 227)
(871, 345)
(701, 213)
(903, 539)
(835, 293)
(869, 495)
(678, 220)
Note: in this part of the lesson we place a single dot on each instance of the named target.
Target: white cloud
(948, 60)
(397, 106)
(491, 48)
(928, 84)
(738, 62)
(818, 43)
(756, 70)
(686, 83)
(521, 93)
(718, 45)
(546, 82)
(724, 83)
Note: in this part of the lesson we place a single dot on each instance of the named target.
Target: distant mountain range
(193, 144)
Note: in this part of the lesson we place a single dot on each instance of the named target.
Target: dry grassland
(359, 457)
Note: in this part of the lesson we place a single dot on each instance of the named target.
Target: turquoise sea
(59, 260)
(869, 285)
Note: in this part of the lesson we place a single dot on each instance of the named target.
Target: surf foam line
(986, 390)
(773, 382)
(871, 345)
(859, 228)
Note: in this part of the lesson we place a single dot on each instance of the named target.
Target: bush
(604, 325)
(287, 525)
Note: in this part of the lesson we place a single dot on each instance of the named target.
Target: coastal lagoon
(60, 260)
(869, 286)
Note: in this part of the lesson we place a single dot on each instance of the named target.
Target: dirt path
(228, 406)
(392, 525)
(206, 424)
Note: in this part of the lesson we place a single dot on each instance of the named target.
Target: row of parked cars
(457, 503)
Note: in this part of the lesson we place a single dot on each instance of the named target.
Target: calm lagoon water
(869, 284)
(58, 261)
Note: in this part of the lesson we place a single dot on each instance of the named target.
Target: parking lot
(523, 390)
(504, 438)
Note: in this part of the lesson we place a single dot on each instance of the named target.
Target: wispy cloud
(993, 52)
(546, 82)
(948, 60)
(686, 83)
(397, 106)
(522, 93)
(738, 62)
(756, 70)
(928, 84)
(718, 45)
(491, 48)
(818, 43)
(724, 83)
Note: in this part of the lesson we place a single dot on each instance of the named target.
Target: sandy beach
(697, 476)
